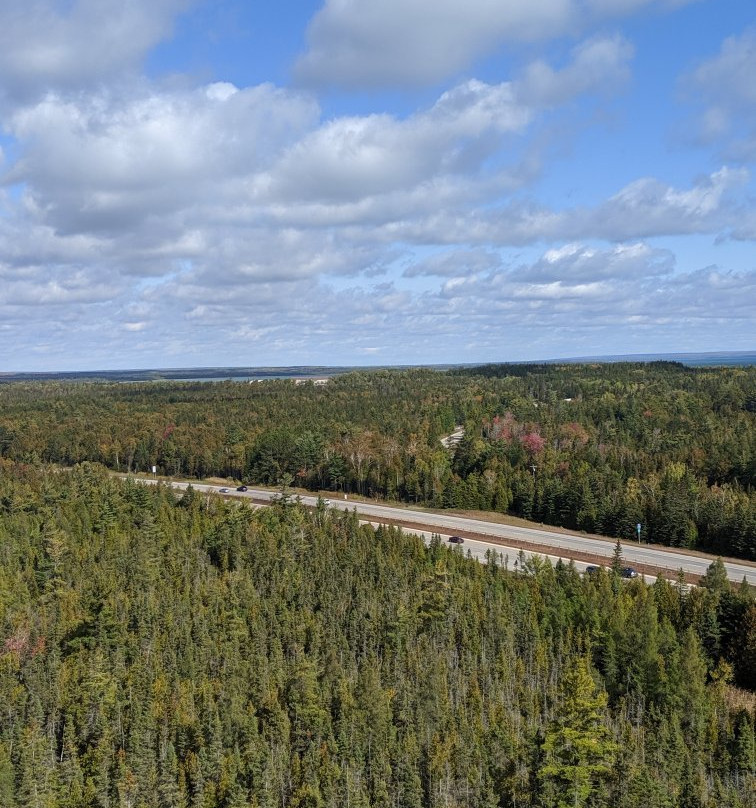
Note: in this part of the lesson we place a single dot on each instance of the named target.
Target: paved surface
(482, 536)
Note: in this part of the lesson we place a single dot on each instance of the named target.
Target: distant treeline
(594, 447)
(182, 374)
(160, 650)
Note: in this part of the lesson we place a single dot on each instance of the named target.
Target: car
(223, 490)
(629, 572)
(456, 540)
(591, 569)
(242, 488)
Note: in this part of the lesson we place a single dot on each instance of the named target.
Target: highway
(481, 536)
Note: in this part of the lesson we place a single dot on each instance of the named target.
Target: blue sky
(359, 182)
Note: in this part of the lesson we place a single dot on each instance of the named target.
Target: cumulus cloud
(50, 286)
(237, 262)
(576, 264)
(642, 209)
(154, 173)
(648, 207)
(351, 158)
(104, 161)
(351, 166)
(46, 44)
(454, 263)
(619, 296)
(611, 296)
(358, 43)
(626, 302)
(167, 220)
(108, 165)
(728, 89)
(729, 75)
(618, 7)
(572, 272)
(599, 63)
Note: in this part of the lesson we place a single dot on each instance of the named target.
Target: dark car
(242, 488)
(456, 540)
(591, 569)
(629, 572)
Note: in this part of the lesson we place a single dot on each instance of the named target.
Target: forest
(166, 649)
(592, 447)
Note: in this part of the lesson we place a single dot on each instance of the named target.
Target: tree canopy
(591, 447)
(173, 649)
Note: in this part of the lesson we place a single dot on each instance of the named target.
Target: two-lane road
(481, 535)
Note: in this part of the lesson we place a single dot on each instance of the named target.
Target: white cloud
(648, 207)
(353, 158)
(37, 287)
(76, 44)
(612, 302)
(572, 272)
(352, 167)
(359, 43)
(493, 315)
(105, 164)
(617, 7)
(453, 263)
(148, 176)
(726, 85)
(597, 64)
(169, 220)
(578, 264)
(154, 138)
(642, 209)
(729, 76)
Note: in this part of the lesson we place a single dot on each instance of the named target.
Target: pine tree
(7, 786)
(716, 580)
(617, 560)
(577, 749)
(37, 781)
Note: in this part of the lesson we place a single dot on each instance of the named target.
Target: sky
(374, 182)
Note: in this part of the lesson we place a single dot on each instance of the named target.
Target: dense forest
(162, 649)
(598, 448)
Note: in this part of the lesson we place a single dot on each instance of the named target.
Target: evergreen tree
(577, 749)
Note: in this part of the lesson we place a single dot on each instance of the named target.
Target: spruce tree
(577, 749)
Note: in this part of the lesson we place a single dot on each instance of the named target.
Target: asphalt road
(481, 536)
